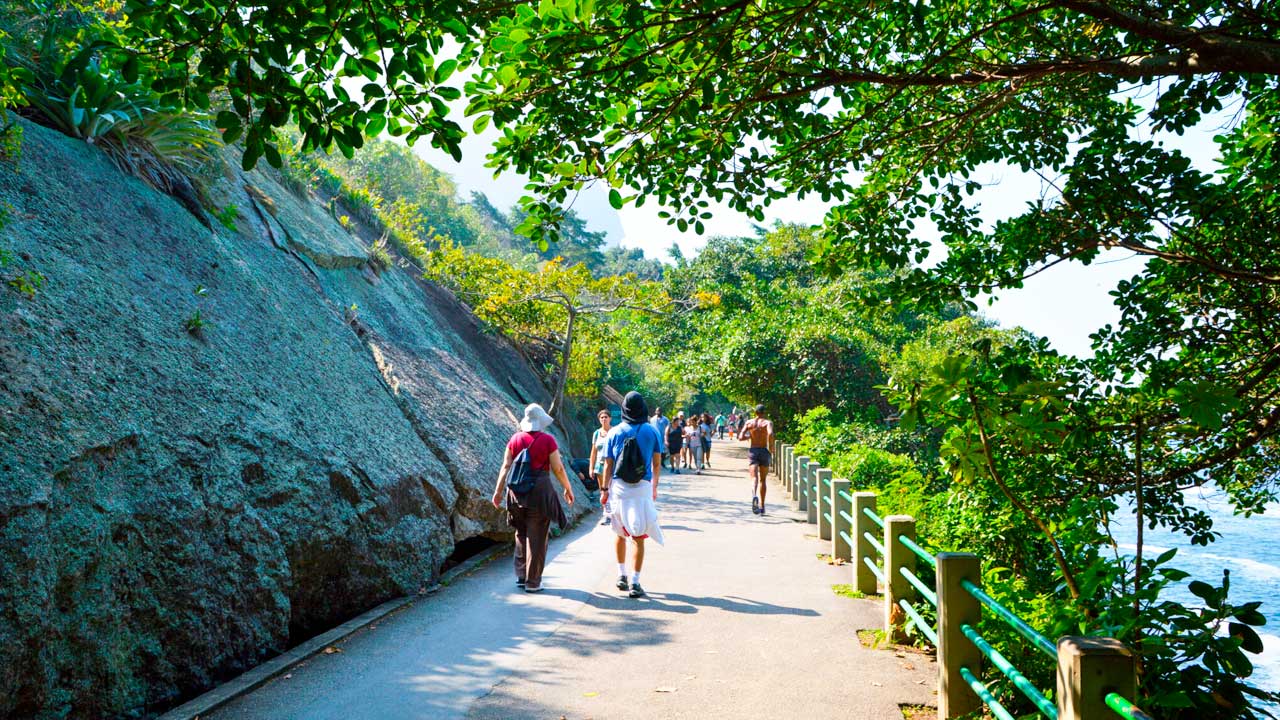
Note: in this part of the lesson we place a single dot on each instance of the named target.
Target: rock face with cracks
(180, 500)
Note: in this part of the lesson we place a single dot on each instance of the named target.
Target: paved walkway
(741, 622)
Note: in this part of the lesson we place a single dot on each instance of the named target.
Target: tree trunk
(566, 353)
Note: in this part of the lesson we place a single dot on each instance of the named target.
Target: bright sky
(1065, 304)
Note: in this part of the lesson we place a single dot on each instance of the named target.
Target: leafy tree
(559, 311)
(620, 261)
(779, 333)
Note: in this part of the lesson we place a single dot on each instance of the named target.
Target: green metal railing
(874, 517)
(919, 622)
(1124, 708)
(978, 687)
(875, 569)
(911, 545)
(874, 543)
(1019, 680)
(919, 585)
(1014, 621)
(830, 509)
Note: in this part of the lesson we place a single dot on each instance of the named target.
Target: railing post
(827, 509)
(802, 468)
(864, 581)
(896, 557)
(789, 469)
(811, 488)
(1088, 669)
(957, 607)
(839, 548)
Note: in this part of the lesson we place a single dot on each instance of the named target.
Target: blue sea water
(1249, 548)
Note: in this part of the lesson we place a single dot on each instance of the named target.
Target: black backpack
(521, 480)
(631, 463)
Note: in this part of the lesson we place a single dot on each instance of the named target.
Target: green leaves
(1205, 403)
(275, 64)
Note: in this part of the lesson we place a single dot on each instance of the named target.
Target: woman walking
(693, 440)
(705, 429)
(598, 440)
(675, 445)
(530, 513)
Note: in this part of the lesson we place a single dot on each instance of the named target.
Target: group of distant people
(626, 462)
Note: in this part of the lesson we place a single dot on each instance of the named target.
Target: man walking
(759, 431)
(661, 423)
(720, 425)
(631, 490)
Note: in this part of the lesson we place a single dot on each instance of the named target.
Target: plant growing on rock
(380, 258)
(227, 216)
(78, 81)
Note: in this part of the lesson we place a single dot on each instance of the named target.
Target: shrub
(228, 216)
(81, 93)
(379, 256)
(27, 282)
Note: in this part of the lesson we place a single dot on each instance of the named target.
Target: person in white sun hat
(531, 509)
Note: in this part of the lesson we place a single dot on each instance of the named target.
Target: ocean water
(1249, 548)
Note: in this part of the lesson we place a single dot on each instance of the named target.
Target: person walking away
(661, 423)
(759, 432)
(693, 440)
(720, 425)
(733, 422)
(531, 511)
(675, 445)
(632, 467)
(705, 429)
(682, 422)
(598, 439)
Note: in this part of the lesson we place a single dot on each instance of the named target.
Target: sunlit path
(740, 622)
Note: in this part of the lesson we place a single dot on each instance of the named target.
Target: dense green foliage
(565, 318)
(779, 333)
(66, 72)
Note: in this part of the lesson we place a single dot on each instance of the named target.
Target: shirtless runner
(759, 431)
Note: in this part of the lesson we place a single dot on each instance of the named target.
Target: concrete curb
(286, 661)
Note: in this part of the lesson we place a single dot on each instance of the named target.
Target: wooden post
(802, 470)
(785, 467)
(811, 488)
(1088, 669)
(825, 509)
(897, 557)
(864, 581)
(839, 548)
(957, 607)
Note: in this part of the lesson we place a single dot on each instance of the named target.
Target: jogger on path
(759, 432)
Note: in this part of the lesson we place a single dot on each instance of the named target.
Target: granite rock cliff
(178, 503)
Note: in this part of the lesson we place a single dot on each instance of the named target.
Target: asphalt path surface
(740, 622)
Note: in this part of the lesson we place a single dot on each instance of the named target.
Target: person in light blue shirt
(661, 423)
(635, 514)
